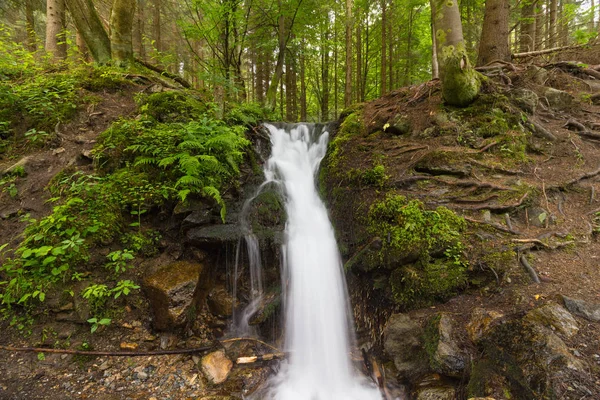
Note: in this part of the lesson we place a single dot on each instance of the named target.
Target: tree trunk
(260, 76)
(435, 68)
(359, 90)
(460, 82)
(121, 28)
(303, 110)
(89, 25)
(282, 44)
(563, 24)
(494, 33)
(55, 29)
(156, 26)
(348, 85)
(325, 74)
(390, 63)
(138, 32)
(289, 108)
(30, 26)
(552, 31)
(383, 47)
(539, 25)
(527, 37)
(82, 47)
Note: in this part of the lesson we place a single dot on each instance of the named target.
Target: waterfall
(317, 327)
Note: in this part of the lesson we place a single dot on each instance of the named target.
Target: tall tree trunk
(383, 47)
(89, 25)
(260, 76)
(82, 47)
(121, 28)
(435, 67)
(138, 31)
(390, 62)
(156, 25)
(303, 110)
(552, 31)
(494, 33)
(289, 108)
(563, 24)
(55, 28)
(348, 83)
(460, 82)
(539, 25)
(30, 26)
(359, 91)
(527, 37)
(325, 74)
(282, 44)
(408, 65)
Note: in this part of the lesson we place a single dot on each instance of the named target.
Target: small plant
(123, 288)
(96, 323)
(118, 260)
(36, 137)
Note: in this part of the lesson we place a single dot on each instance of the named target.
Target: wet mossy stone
(214, 235)
(441, 344)
(403, 343)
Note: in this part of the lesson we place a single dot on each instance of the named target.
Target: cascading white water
(317, 324)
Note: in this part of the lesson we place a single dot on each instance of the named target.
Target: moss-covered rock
(172, 106)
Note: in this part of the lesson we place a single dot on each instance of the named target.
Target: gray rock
(198, 218)
(220, 302)
(526, 99)
(558, 99)
(536, 74)
(556, 317)
(537, 216)
(583, 309)
(398, 125)
(170, 291)
(431, 387)
(214, 235)
(403, 343)
(447, 358)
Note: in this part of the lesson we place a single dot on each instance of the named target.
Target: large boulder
(403, 343)
(220, 302)
(172, 291)
(526, 99)
(589, 311)
(214, 235)
(480, 323)
(555, 317)
(558, 99)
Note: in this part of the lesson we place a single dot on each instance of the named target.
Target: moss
(352, 125)
(172, 106)
(101, 78)
(431, 339)
(267, 211)
(460, 82)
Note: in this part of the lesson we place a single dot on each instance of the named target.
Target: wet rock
(558, 99)
(268, 307)
(480, 322)
(433, 388)
(445, 356)
(170, 291)
(526, 99)
(398, 125)
(403, 343)
(583, 309)
(220, 302)
(214, 235)
(555, 316)
(198, 218)
(216, 366)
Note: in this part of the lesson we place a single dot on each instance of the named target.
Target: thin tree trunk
(390, 63)
(563, 24)
(539, 25)
(383, 70)
(157, 25)
(288, 89)
(121, 26)
(348, 83)
(408, 65)
(30, 26)
(552, 32)
(282, 44)
(55, 28)
(138, 32)
(494, 33)
(359, 90)
(89, 25)
(260, 76)
(527, 37)
(325, 74)
(435, 69)
(303, 110)
(82, 47)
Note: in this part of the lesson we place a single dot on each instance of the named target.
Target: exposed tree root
(482, 185)
(529, 269)
(576, 180)
(263, 357)
(499, 207)
(411, 179)
(495, 168)
(538, 130)
(408, 150)
(493, 225)
(488, 146)
(539, 243)
(163, 72)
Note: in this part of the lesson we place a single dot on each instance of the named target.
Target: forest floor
(562, 175)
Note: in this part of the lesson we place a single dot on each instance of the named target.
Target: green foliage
(172, 106)
(118, 261)
(352, 125)
(98, 296)
(249, 115)
(433, 237)
(96, 323)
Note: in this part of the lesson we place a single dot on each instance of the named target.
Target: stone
(555, 316)
(538, 217)
(214, 235)
(24, 163)
(536, 74)
(198, 218)
(480, 322)
(525, 99)
(128, 346)
(220, 302)
(403, 343)
(441, 344)
(216, 366)
(170, 291)
(589, 311)
(558, 99)
(431, 387)
(398, 125)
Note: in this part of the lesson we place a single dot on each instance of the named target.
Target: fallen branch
(537, 242)
(548, 51)
(488, 146)
(500, 207)
(111, 353)
(163, 72)
(529, 269)
(592, 72)
(578, 179)
(263, 357)
(541, 132)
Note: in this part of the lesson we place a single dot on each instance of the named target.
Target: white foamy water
(317, 330)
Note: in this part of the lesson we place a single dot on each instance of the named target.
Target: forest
(308, 60)
(300, 199)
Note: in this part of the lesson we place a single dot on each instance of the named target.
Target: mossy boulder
(441, 344)
(173, 106)
(403, 343)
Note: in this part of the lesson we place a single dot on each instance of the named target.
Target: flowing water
(317, 327)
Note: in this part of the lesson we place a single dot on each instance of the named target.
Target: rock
(216, 366)
(538, 217)
(270, 304)
(444, 354)
(526, 99)
(398, 125)
(170, 291)
(128, 346)
(220, 302)
(214, 235)
(403, 343)
(583, 309)
(433, 388)
(536, 74)
(198, 218)
(558, 99)
(480, 323)
(556, 317)
(24, 164)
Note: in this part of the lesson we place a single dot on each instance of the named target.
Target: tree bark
(89, 25)
(359, 91)
(494, 33)
(348, 85)
(383, 47)
(55, 28)
(303, 110)
(82, 47)
(539, 25)
(460, 82)
(156, 25)
(325, 73)
(138, 33)
(121, 28)
(552, 31)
